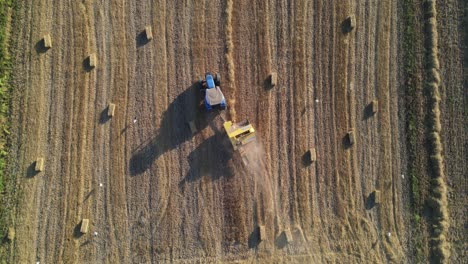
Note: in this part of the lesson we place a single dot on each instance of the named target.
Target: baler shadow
(210, 159)
(174, 129)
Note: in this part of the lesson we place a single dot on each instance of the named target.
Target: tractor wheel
(217, 79)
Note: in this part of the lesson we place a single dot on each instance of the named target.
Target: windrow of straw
(440, 249)
(230, 60)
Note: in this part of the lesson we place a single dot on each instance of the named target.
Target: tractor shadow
(210, 159)
(174, 129)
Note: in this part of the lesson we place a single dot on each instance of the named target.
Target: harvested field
(129, 147)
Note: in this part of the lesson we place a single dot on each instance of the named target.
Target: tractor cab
(213, 95)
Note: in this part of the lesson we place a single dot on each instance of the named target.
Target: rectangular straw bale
(351, 138)
(149, 33)
(376, 196)
(47, 41)
(92, 60)
(111, 110)
(350, 23)
(11, 234)
(39, 164)
(262, 233)
(375, 106)
(84, 226)
(288, 235)
(313, 154)
(273, 78)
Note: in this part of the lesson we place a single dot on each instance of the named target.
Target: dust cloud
(254, 163)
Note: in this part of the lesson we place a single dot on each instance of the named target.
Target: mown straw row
(230, 61)
(438, 198)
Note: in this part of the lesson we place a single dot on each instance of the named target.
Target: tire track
(385, 180)
(140, 102)
(80, 140)
(28, 195)
(101, 135)
(118, 233)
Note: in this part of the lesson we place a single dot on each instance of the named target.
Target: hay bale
(351, 137)
(11, 234)
(47, 41)
(377, 196)
(273, 78)
(39, 164)
(262, 233)
(92, 60)
(148, 33)
(84, 226)
(111, 110)
(192, 126)
(313, 154)
(288, 235)
(374, 106)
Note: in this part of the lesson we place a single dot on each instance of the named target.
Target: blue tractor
(213, 95)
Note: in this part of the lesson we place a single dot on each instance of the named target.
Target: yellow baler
(240, 133)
